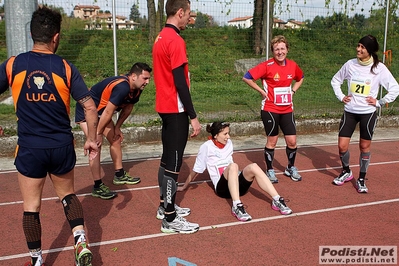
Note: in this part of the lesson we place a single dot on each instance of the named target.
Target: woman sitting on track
(215, 155)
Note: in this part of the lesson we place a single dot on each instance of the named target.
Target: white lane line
(209, 227)
(106, 162)
(199, 182)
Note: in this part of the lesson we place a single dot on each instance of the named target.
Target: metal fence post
(18, 14)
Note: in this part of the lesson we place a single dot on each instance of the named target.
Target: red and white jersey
(169, 52)
(276, 81)
(214, 159)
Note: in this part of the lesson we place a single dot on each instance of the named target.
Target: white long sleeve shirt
(362, 83)
(214, 159)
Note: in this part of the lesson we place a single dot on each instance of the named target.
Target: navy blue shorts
(222, 188)
(37, 163)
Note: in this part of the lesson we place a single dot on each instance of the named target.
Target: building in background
(85, 11)
(294, 24)
(246, 22)
(241, 22)
(98, 20)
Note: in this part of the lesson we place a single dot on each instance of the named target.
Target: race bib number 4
(360, 87)
(282, 96)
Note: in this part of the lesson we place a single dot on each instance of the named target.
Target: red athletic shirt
(169, 52)
(274, 78)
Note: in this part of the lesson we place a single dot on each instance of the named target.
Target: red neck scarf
(217, 143)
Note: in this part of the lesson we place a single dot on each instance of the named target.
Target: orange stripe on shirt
(106, 94)
(63, 91)
(9, 65)
(68, 73)
(62, 88)
(16, 87)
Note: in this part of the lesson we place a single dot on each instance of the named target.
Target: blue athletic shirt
(41, 85)
(115, 90)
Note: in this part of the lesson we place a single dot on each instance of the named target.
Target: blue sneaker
(293, 173)
(272, 176)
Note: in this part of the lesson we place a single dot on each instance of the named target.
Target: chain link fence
(322, 39)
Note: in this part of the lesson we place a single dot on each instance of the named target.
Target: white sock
(37, 254)
(81, 234)
(236, 202)
(277, 197)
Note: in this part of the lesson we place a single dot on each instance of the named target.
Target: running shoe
(182, 212)
(38, 263)
(293, 173)
(126, 179)
(272, 176)
(361, 186)
(279, 205)
(343, 177)
(83, 255)
(103, 192)
(179, 225)
(240, 213)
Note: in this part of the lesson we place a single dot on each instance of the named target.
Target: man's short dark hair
(172, 6)
(45, 23)
(138, 68)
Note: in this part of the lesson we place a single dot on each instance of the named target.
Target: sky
(221, 12)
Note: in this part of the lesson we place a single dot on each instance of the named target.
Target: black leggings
(272, 122)
(367, 124)
(174, 139)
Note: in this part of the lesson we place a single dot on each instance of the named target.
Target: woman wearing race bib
(277, 74)
(215, 155)
(364, 75)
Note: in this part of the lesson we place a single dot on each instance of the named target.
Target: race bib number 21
(360, 87)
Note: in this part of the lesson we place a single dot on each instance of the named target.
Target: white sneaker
(179, 225)
(240, 213)
(361, 186)
(279, 205)
(183, 212)
(343, 177)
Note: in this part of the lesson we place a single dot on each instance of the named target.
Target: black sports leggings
(174, 139)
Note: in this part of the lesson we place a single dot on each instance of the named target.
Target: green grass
(216, 88)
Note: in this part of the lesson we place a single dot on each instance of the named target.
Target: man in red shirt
(277, 74)
(174, 106)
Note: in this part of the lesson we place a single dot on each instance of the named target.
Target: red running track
(124, 231)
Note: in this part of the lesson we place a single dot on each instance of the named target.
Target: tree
(377, 17)
(134, 13)
(151, 20)
(318, 22)
(58, 8)
(200, 21)
(156, 18)
(257, 25)
(260, 25)
(337, 21)
(358, 21)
